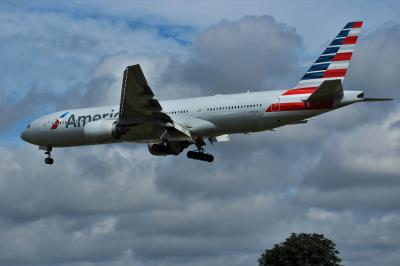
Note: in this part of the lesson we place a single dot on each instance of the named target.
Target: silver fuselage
(203, 116)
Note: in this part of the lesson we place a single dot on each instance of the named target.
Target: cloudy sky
(117, 205)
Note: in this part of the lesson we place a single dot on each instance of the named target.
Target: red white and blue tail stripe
(334, 61)
(332, 64)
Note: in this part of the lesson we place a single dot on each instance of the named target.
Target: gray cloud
(376, 61)
(253, 53)
(118, 205)
(49, 56)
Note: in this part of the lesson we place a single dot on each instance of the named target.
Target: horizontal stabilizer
(329, 90)
(377, 99)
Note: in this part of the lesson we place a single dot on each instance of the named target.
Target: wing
(137, 99)
(141, 111)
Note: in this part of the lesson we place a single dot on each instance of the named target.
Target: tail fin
(335, 59)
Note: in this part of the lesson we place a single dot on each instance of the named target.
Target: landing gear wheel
(209, 158)
(49, 160)
(200, 155)
(191, 154)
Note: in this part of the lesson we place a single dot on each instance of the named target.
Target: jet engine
(168, 148)
(103, 130)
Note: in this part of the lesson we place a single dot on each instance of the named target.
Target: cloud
(375, 63)
(379, 157)
(56, 59)
(354, 151)
(118, 205)
(97, 207)
(253, 53)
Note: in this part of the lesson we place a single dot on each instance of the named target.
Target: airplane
(169, 127)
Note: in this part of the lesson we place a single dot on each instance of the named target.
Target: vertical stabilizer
(334, 60)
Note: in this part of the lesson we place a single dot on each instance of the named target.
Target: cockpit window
(28, 126)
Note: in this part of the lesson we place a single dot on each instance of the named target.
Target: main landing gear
(48, 160)
(199, 154)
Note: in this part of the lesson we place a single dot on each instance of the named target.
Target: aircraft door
(275, 107)
(45, 126)
(197, 112)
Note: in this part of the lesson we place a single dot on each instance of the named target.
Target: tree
(302, 250)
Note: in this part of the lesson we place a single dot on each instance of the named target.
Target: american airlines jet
(169, 127)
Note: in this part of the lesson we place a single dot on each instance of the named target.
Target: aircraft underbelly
(260, 122)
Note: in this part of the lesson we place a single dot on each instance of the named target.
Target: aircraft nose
(24, 135)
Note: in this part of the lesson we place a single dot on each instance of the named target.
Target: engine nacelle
(103, 130)
(169, 148)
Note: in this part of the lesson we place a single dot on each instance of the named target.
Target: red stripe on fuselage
(300, 91)
(273, 108)
(299, 106)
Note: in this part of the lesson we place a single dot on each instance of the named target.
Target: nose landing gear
(48, 160)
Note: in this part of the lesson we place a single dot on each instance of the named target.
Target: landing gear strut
(48, 160)
(199, 154)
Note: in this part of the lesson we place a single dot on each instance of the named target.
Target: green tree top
(302, 250)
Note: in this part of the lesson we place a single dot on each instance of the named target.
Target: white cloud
(118, 205)
(373, 147)
(320, 215)
(253, 53)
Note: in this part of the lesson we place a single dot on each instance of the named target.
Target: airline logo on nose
(58, 121)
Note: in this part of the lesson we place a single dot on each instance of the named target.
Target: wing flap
(182, 129)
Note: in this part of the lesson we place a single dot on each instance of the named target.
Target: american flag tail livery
(321, 86)
(334, 60)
